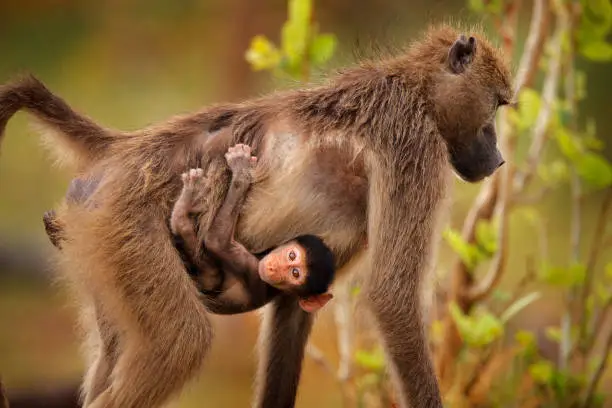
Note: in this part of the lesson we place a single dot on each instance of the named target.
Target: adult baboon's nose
(501, 163)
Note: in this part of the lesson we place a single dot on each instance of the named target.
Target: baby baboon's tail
(80, 134)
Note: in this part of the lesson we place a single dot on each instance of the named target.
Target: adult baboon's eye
(295, 272)
(292, 255)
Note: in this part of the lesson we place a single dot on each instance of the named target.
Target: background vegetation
(520, 316)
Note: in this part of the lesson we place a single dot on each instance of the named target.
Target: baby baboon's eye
(292, 255)
(295, 272)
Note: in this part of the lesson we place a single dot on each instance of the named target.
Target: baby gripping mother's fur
(364, 155)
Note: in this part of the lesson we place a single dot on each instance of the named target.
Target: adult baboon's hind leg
(285, 331)
(149, 371)
(106, 341)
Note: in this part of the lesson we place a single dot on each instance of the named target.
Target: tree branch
(601, 368)
(344, 328)
(534, 45)
(549, 93)
(598, 235)
(528, 66)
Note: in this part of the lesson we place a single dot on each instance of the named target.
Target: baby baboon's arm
(220, 236)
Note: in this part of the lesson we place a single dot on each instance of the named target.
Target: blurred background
(128, 63)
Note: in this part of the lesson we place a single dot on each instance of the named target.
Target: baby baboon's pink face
(284, 267)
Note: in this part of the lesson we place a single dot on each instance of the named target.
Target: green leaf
(554, 173)
(295, 33)
(468, 253)
(563, 277)
(553, 333)
(525, 338)
(599, 51)
(486, 236)
(479, 330)
(300, 11)
(519, 305)
(528, 108)
(600, 10)
(371, 360)
(602, 292)
(322, 48)
(594, 169)
(293, 39)
(541, 372)
(608, 270)
(494, 6)
(568, 144)
(262, 54)
(476, 5)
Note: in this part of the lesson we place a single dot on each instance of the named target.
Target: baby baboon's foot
(239, 158)
(192, 179)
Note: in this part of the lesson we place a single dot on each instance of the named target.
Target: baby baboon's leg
(283, 338)
(190, 201)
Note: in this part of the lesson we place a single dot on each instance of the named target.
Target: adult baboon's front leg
(400, 239)
(283, 338)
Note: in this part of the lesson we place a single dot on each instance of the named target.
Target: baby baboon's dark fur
(365, 155)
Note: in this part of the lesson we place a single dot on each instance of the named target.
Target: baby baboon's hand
(239, 158)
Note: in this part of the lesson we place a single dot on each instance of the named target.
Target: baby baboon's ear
(461, 54)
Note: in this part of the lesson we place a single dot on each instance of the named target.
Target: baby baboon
(304, 266)
(365, 154)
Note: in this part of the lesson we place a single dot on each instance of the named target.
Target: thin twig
(344, 328)
(596, 245)
(599, 324)
(532, 198)
(485, 286)
(601, 368)
(534, 44)
(567, 17)
(485, 204)
(549, 93)
(319, 358)
(528, 66)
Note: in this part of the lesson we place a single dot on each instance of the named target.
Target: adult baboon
(364, 155)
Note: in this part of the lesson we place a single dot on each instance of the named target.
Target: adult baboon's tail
(80, 134)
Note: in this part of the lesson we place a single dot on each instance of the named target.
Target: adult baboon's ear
(461, 54)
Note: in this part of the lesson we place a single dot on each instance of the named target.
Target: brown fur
(365, 155)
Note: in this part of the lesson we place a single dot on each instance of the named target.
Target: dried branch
(549, 93)
(566, 17)
(344, 328)
(598, 326)
(532, 198)
(596, 245)
(601, 368)
(527, 69)
(486, 285)
(534, 45)
(319, 358)
(487, 199)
